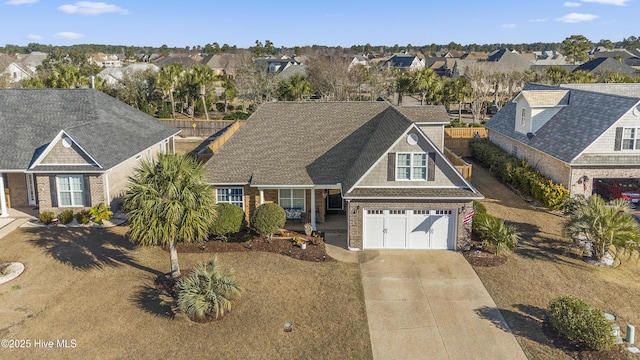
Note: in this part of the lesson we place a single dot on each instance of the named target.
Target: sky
(181, 23)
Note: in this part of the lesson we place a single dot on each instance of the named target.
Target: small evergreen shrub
(66, 216)
(229, 220)
(268, 218)
(100, 212)
(575, 320)
(83, 217)
(495, 231)
(220, 106)
(46, 217)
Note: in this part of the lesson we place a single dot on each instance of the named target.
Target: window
(292, 198)
(631, 139)
(411, 166)
(70, 190)
(523, 117)
(233, 196)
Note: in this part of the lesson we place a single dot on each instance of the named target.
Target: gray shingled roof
(572, 129)
(110, 131)
(307, 143)
(426, 113)
(606, 66)
(422, 193)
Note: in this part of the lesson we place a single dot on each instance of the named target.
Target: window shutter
(391, 167)
(53, 190)
(618, 143)
(431, 166)
(87, 191)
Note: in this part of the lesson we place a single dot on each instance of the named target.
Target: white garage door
(409, 229)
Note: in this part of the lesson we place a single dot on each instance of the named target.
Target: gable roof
(569, 132)
(544, 98)
(109, 131)
(607, 65)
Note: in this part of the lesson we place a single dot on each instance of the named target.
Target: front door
(334, 199)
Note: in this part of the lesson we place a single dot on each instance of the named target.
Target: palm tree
(426, 81)
(168, 78)
(202, 75)
(207, 291)
(169, 202)
(582, 77)
(404, 85)
(295, 87)
(457, 90)
(603, 225)
(498, 233)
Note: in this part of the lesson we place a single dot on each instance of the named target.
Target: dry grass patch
(93, 286)
(542, 269)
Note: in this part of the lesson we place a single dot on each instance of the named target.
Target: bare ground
(94, 287)
(543, 268)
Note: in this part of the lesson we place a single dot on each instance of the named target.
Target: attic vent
(66, 142)
(412, 139)
(636, 111)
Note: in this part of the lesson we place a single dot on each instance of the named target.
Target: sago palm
(169, 202)
(603, 225)
(208, 290)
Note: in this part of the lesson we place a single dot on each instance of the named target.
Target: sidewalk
(16, 219)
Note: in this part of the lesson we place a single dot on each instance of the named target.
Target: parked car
(610, 189)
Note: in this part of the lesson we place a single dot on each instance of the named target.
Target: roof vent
(529, 135)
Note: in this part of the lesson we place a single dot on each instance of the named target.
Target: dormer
(535, 107)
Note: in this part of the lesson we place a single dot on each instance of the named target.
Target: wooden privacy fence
(462, 166)
(198, 128)
(457, 139)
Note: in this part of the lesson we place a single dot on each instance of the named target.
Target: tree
(576, 48)
(202, 75)
(359, 74)
(426, 81)
(603, 225)
(456, 90)
(481, 88)
(581, 77)
(328, 73)
(404, 85)
(555, 75)
(268, 218)
(169, 202)
(253, 82)
(294, 87)
(168, 79)
(207, 291)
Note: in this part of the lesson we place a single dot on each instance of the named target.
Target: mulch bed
(482, 256)
(282, 245)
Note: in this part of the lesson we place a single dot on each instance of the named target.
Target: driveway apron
(431, 305)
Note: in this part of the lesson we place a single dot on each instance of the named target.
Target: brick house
(71, 148)
(381, 167)
(575, 134)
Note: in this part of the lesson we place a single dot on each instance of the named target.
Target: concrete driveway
(431, 305)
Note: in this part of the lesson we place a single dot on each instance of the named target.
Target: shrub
(46, 217)
(83, 217)
(268, 218)
(518, 173)
(101, 212)
(220, 106)
(207, 291)
(577, 321)
(496, 232)
(229, 220)
(66, 216)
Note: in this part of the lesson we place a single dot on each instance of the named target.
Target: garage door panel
(374, 229)
(419, 228)
(396, 237)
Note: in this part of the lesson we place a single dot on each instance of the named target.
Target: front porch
(331, 224)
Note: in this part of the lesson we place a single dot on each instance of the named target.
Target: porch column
(261, 196)
(3, 199)
(313, 209)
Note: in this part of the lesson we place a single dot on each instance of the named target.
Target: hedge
(518, 173)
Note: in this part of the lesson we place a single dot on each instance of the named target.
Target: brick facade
(17, 184)
(355, 213)
(95, 185)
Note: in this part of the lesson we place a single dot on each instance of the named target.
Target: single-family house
(575, 134)
(604, 66)
(221, 64)
(115, 75)
(359, 60)
(381, 166)
(404, 62)
(71, 148)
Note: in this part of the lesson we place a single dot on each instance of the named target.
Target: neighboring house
(359, 60)
(275, 65)
(221, 64)
(105, 60)
(187, 61)
(573, 133)
(550, 57)
(114, 75)
(291, 71)
(23, 66)
(17, 72)
(502, 60)
(72, 148)
(404, 62)
(629, 57)
(606, 66)
(381, 166)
